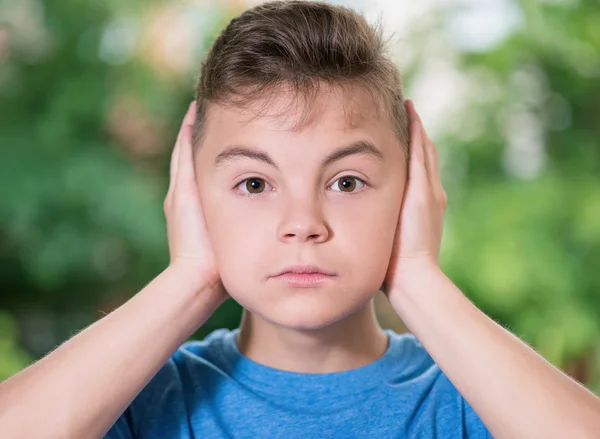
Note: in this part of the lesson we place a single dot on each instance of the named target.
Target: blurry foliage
(12, 357)
(91, 96)
(523, 158)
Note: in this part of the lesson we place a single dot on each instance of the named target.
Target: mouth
(304, 276)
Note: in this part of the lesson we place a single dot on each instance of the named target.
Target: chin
(303, 321)
(308, 313)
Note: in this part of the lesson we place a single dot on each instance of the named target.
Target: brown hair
(299, 46)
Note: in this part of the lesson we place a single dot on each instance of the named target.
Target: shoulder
(419, 376)
(161, 408)
(191, 355)
(211, 349)
(414, 372)
(410, 359)
(181, 375)
(413, 364)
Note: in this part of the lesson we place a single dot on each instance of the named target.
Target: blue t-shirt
(208, 389)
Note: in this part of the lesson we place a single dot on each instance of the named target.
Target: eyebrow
(238, 151)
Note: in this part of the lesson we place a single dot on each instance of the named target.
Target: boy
(291, 191)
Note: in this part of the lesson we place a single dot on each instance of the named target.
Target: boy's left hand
(419, 233)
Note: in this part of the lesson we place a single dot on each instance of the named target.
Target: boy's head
(301, 138)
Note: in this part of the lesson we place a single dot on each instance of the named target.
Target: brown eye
(348, 184)
(255, 185)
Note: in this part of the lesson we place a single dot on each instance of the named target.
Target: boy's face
(297, 211)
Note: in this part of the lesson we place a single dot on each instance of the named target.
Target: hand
(419, 233)
(189, 244)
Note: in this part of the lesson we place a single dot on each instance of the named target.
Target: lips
(305, 269)
(304, 276)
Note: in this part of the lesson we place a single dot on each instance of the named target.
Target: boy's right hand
(189, 244)
(71, 390)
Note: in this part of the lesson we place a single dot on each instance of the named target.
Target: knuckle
(444, 199)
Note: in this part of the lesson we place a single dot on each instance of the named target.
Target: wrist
(197, 280)
(415, 277)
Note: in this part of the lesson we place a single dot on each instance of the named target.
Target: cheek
(240, 242)
(366, 236)
(373, 249)
(240, 225)
(369, 225)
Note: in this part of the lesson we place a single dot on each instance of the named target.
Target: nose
(303, 221)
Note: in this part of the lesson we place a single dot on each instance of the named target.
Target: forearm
(515, 392)
(81, 388)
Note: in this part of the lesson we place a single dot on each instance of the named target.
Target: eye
(348, 183)
(252, 186)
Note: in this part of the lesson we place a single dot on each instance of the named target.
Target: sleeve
(122, 428)
(157, 411)
(473, 426)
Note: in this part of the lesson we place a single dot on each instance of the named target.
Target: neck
(353, 342)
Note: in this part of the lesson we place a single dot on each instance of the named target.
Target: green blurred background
(92, 94)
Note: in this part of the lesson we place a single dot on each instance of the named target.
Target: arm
(80, 389)
(516, 393)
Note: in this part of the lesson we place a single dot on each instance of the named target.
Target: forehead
(330, 112)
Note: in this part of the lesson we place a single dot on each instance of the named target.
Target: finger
(432, 162)
(417, 165)
(174, 164)
(435, 175)
(424, 137)
(185, 171)
(188, 119)
(190, 116)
